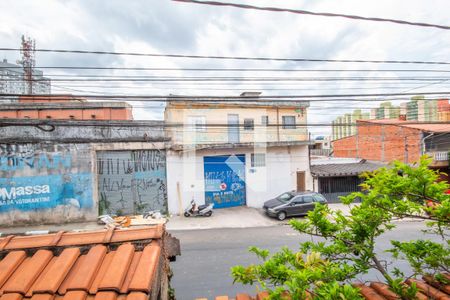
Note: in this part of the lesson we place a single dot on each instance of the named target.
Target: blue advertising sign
(225, 180)
(40, 192)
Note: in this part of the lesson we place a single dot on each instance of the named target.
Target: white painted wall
(185, 169)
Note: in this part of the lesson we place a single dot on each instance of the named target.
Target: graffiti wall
(45, 183)
(132, 182)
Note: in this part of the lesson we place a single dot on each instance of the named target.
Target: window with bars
(265, 120)
(258, 160)
(198, 123)
(249, 124)
(289, 122)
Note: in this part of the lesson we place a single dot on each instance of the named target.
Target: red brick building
(65, 107)
(389, 140)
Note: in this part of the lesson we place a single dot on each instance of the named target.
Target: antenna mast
(28, 50)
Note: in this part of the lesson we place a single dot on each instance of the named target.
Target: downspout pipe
(422, 142)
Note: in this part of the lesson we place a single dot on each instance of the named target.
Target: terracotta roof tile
(376, 291)
(133, 266)
(383, 290)
(440, 286)
(60, 273)
(368, 292)
(43, 297)
(262, 296)
(117, 270)
(11, 296)
(75, 295)
(9, 264)
(428, 290)
(82, 238)
(28, 272)
(29, 294)
(87, 268)
(106, 296)
(137, 296)
(70, 278)
(240, 297)
(145, 271)
(50, 282)
(101, 272)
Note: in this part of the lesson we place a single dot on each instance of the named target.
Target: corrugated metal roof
(344, 169)
(108, 264)
(334, 160)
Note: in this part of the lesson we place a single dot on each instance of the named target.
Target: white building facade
(241, 165)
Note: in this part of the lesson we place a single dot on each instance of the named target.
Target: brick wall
(380, 142)
(104, 113)
(345, 147)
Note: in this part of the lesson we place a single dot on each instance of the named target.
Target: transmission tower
(28, 50)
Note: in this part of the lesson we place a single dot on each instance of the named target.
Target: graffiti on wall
(131, 182)
(34, 178)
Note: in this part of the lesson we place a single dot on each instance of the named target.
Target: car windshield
(285, 197)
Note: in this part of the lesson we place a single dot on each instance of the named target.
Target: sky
(167, 27)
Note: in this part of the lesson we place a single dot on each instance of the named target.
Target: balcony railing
(439, 156)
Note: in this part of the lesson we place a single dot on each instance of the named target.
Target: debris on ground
(149, 218)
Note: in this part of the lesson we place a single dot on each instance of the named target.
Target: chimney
(402, 117)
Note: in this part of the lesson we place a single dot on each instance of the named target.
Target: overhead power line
(194, 98)
(142, 123)
(227, 69)
(225, 79)
(321, 14)
(235, 57)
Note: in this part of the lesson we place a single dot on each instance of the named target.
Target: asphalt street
(203, 269)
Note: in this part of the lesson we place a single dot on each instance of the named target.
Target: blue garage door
(225, 180)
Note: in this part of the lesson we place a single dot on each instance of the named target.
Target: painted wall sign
(38, 192)
(225, 180)
(39, 177)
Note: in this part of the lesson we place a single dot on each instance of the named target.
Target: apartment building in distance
(234, 152)
(345, 125)
(12, 80)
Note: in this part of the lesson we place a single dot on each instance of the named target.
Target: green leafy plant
(347, 245)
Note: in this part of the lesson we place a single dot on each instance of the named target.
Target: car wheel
(281, 215)
(187, 215)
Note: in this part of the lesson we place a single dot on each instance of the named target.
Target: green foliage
(347, 248)
(335, 291)
(423, 255)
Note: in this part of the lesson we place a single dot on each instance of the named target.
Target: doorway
(301, 185)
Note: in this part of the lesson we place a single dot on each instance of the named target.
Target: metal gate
(334, 187)
(131, 182)
(225, 180)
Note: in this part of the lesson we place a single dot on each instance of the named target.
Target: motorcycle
(199, 211)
